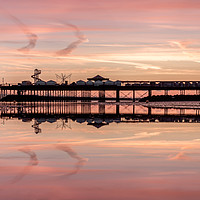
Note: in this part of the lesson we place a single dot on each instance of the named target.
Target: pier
(94, 89)
(83, 92)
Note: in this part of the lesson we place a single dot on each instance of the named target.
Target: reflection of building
(98, 125)
(26, 119)
(51, 120)
(94, 114)
(36, 127)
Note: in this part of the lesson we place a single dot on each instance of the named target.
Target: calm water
(89, 156)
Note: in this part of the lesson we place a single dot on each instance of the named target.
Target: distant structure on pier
(35, 76)
(98, 88)
(98, 78)
(63, 78)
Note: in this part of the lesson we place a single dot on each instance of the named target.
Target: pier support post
(149, 111)
(149, 93)
(117, 110)
(18, 92)
(165, 111)
(133, 95)
(197, 92)
(182, 111)
(89, 95)
(86, 108)
(102, 109)
(117, 95)
(82, 95)
(182, 92)
(102, 95)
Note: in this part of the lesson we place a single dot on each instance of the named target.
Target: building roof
(51, 81)
(80, 81)
(41, 81)
(98, 77)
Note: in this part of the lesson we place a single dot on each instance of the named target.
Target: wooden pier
(83, 92)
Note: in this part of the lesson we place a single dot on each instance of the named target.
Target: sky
(124, 40)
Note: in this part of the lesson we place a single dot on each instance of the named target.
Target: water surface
(122, 158)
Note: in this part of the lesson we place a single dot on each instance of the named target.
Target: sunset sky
(126, 40)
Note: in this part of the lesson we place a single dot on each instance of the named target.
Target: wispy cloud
(32, 37)
(72, 46)
(176, 27)
(135, 64)
(184, 47)
(181, 44)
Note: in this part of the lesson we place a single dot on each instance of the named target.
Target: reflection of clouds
(32, 162)
(187, 147)
(146, 134)
(81, 161)
(172, 173)
(139, 135)
(179, 156)
(182, 154)
(197, 140)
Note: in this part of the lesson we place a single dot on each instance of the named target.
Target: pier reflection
(96, 114)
